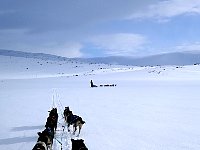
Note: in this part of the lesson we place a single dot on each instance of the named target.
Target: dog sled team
(101, 85)
(45, 139)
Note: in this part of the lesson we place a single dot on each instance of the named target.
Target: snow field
(147, 110)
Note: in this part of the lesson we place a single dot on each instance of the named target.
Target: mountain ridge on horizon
(174, 58)
(30, 55)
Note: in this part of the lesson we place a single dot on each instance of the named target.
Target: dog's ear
(39, 133)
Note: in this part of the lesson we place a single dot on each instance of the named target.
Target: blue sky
(95, 28)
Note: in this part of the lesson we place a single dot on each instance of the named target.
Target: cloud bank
(123, 44)
(168, 9)
(63, 27)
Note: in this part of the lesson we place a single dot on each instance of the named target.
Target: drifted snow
(151, 108)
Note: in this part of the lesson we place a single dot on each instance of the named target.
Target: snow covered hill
(17, 66)
(151, 108)
(176, 58)
(31, 55)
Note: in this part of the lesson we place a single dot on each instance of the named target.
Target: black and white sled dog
(78, 145)
(74, 120)
(40, 146)
(45, 139)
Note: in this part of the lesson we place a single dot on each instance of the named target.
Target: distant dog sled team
(101, 85)
(45, 139)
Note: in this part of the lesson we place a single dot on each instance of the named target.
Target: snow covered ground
(151, 108)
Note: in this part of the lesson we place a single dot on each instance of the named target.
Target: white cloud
(184, 47)
(120, 43)
(63, 15)
(60, 21)
(169, 8)
(189, 47)
(73, 50)
(69, 49)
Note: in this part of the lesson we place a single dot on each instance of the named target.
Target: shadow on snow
(15, 140)
(24, 128)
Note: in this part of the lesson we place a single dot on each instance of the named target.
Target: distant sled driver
(91, 84)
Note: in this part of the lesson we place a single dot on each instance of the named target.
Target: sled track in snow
(62, 138)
